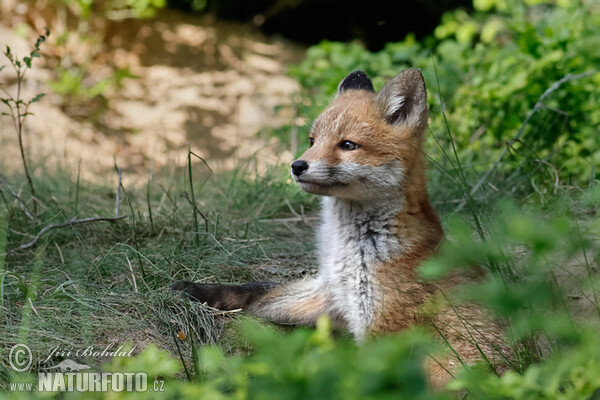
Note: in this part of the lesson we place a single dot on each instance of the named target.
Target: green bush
(518, 82)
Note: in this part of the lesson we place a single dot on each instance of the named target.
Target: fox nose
(298, 167)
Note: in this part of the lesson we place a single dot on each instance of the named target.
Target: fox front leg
(300, 302)
(225, 297)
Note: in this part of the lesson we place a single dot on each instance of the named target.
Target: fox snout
(298, 167)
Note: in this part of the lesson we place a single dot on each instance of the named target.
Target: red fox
(366, 160)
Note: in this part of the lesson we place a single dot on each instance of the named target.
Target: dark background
(374, 22)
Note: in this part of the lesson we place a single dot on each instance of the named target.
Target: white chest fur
(353, 239)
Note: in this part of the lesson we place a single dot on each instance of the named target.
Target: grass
(108, 283)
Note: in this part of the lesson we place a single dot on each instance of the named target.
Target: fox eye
(348, 145)
(311, 141)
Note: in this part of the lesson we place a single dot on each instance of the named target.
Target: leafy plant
(19, 108)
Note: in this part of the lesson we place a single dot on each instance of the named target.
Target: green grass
(101, 283)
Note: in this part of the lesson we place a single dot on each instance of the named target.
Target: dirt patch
(207, 83)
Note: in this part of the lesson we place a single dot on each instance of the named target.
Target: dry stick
(539, 104)
(72, 221)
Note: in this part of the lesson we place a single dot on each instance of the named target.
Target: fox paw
(211, 294)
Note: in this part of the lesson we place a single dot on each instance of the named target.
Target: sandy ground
(210, 84)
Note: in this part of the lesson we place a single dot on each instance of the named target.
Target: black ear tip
(357, 80)
(358, 73)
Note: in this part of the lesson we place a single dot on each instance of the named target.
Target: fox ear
(356, 80)
(403, 100)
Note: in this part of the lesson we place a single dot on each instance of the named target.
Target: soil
(210, 84)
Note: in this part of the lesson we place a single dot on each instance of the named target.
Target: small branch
(72, 221)
(5, 91)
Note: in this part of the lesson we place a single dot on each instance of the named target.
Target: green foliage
(574, 376)
(307, 364)
(538, 266)
(114, 9)
(491, 70)
(17, 107)
(301, 365)
(72, 85)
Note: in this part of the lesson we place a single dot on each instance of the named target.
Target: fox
(366, 160)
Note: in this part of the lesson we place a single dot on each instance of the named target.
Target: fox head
(365, 144)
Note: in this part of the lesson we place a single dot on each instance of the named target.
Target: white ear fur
(395, 101)
(403, 100)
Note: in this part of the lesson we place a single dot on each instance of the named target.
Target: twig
(538, 105)
(21, 233)
(72, 221)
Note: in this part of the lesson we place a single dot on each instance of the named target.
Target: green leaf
(36, 98)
